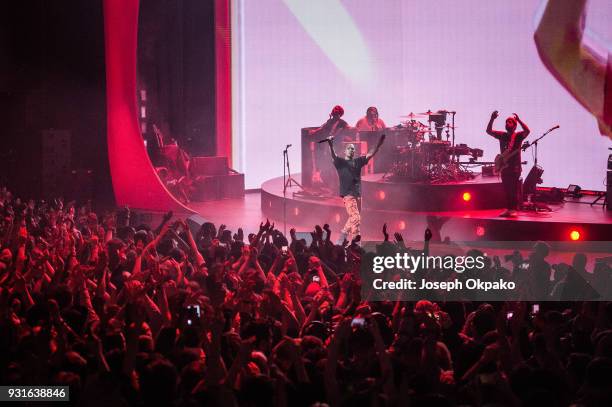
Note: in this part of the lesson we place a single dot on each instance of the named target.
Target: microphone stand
(532, 205)
(288, 182)
(535, 143)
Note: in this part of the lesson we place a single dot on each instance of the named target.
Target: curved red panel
(135, 181)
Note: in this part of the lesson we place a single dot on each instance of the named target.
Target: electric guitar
(502, 160)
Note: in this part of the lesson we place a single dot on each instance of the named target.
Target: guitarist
(510, 141)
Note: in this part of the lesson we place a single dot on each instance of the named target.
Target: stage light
(467, 197)
(401, 225)
(480, 231)
(381, 195)
(296, 211)
(575, 234)
(337, 218)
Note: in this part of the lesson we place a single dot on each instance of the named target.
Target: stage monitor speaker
(195, 222)
(533, 179)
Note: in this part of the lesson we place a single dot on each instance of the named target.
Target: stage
(467, 220)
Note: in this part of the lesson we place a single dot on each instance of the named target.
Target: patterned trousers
(351, 228)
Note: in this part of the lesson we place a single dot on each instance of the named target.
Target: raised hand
(398, 237)
(428, 235)
(385, 233)
(495, 114)
(328, 230)
(319, 232)
(346, 283)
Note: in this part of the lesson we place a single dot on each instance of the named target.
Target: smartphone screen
(192, 313)
(196, 309)
(357, 323)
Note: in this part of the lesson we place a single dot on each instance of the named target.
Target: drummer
(371, 121)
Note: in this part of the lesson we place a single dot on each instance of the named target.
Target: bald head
(349, 152)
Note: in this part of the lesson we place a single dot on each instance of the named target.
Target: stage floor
(592, 222)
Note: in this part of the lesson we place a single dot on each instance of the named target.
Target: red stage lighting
(575, 234)
(296, 211)
(480, 231)
(381, 195)
(337, 218)
(401, 225)
(467, 197)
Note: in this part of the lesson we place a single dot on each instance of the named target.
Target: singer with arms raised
(349, 175)
(510, 142)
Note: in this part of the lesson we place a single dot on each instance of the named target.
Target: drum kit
(435, 160)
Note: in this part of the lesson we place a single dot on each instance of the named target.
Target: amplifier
(488, 171)
(609, 188)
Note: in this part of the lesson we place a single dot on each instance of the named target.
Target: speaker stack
(609, 184)
(55, 160)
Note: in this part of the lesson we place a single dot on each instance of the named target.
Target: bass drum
(436, 152)
(409, 164)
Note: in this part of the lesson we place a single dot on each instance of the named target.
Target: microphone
(553, 128)
(289, 145)
(324, 140)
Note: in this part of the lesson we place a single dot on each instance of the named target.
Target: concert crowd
(130, 314)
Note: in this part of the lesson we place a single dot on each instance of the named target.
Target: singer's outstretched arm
(373, 152)
(330, 141)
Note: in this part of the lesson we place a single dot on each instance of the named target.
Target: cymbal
(430, 112)
(413, 115)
